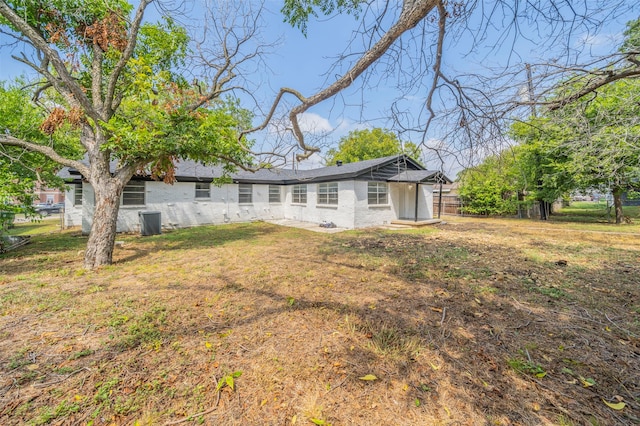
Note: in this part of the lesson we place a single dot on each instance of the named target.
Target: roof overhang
(419, 176)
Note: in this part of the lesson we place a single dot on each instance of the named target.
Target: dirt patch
(473, 323)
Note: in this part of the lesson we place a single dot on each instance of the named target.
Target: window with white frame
(245, 193)
(378, 193)
(77, 194)
(274, 194)
(133, 193)
(203, 190)
(299, 193)
(328, 193)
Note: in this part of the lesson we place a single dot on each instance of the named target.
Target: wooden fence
(451, 205)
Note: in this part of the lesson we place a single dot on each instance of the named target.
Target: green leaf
(229, 381)
(318, 421)
(587, 382)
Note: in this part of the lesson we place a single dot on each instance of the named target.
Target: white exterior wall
(341, 214)
(425, 202)
(179, 207)
(375, 215)
(72, 214)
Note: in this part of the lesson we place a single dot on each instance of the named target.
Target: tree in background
(541, 163)
(603, 140)
(368, 144)
(492, 187)
(116, 83)
(592, 142)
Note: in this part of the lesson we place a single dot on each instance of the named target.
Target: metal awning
(418, 176)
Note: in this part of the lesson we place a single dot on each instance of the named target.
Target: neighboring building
(48, 195)
(353, 195)
(450, 199)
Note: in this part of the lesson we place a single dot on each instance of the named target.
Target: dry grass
(479, 322)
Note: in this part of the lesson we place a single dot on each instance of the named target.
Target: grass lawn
(597, 214)
(474, 322)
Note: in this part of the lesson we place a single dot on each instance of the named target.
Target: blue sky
(302, 63)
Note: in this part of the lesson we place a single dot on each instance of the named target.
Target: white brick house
(353, 195)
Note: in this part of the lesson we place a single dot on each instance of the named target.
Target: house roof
(395, 168)
(376, 169)
(448, 187)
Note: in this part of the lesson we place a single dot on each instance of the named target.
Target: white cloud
(601, 40)
(311, 122)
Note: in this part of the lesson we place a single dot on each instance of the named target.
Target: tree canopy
(368, 144)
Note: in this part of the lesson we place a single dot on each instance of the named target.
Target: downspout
(416, 206)
(440, 199)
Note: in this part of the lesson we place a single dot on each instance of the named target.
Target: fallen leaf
(369, 377)
(615, 406)
(587, 382)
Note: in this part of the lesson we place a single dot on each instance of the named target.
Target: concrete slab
(309, 226)
(416, 224)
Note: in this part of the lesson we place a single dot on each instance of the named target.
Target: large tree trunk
(103, 227)
(617, 203)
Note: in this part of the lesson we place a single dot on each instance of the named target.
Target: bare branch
(48, 151)
(436, 68)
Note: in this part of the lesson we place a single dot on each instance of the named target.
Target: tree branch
(45, 150)
(436, 69)
(109, 106)
(413, 11)
(52, 55)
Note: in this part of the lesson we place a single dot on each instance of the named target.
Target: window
(203, 190)
(77, 194)
(300, 194)
(274, 193)
(133, 194)
(245, 193)
(328, 193)
(378, 193)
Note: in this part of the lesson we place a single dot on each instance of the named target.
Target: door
(408, 202)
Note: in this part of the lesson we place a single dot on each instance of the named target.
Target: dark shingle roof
(409, 171)
(329, 173)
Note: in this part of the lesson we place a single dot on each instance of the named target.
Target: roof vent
(339, 163)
